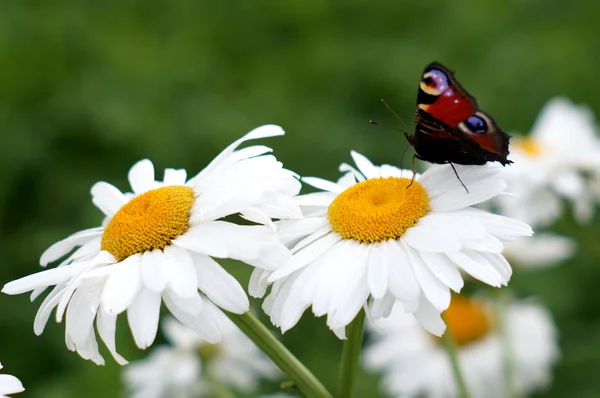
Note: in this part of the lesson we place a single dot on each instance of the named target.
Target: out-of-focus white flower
(376, 233)
(192, 367)
(9, 385)
(559, 159)
(158, 243)
(414, 364)
(540, 251)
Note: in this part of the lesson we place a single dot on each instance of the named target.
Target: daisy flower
(559, 159)
(415, 364)
(376, 233)
(191, 366)
(9, 385)
(157, 244)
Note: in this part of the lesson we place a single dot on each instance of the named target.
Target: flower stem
(450, 346)
(502, 304)
(304, 380)
(350, 355)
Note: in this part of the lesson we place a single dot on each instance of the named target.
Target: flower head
(186, 367)
(9, 385)
(158, 243)
(413, 363)
(377, 233)
(559, 159)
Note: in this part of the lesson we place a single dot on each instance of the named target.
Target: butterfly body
(450, 128)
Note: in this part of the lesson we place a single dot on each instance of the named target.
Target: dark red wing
(481, 128)
(449, 126)
(443, 97)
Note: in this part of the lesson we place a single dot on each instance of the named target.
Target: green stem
(304, 380)
(351, 354)
(450, 346)
(502, 303)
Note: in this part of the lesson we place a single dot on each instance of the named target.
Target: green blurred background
(88, 88)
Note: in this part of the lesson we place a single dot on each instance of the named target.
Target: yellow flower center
(467, 320)
(149, 221)
(378, 209)
(528, 145)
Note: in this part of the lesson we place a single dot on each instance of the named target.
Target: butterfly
(450, 128)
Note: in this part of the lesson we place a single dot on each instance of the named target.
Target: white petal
(346, 168)
(322, 184)
(458, 198)
(154, 270)
(305, 256)
(444, 269)
(175, 177)
(45, 278)
(365, 166)
(80, 315)
(290, 231)
(257, 286)
(434, 290)
(205, 322)
(269, 130)
(476, 266)
(107, 198)
(440, 179)
(429, 318)
(107, 325)
(347, 180)
(430, 240)
(382, 308)
(315, 199)
(224, 239)
(64, 246)
(500, 264)
(141, 177)
(219, 286)
(43, 314)
(122, 285)
(182, 273)
(377, 271)
(259, 217)
(453, 224)
(10, 385)
(142, 316)
(402, 283)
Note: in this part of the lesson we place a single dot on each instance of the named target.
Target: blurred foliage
(88, 88)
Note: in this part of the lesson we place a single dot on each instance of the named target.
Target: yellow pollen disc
(467, 320)
(378, 209)
(528, 145)
(149, 221)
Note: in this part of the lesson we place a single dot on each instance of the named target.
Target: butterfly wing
(449, 125)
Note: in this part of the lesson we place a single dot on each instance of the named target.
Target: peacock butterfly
(450, 128)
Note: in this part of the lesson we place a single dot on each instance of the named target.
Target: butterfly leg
(457, 176)
(414, 168)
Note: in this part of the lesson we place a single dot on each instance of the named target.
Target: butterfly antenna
(457, 176)
(386, 126)
(393, 112)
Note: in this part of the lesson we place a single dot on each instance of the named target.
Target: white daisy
(540, 251)
(158, 243)
(191, 366)
(9, 385)
(559, 159)
(386, 238)
(415, 364)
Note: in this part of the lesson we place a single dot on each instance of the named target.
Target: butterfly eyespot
(476, 124)
(434, 82)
